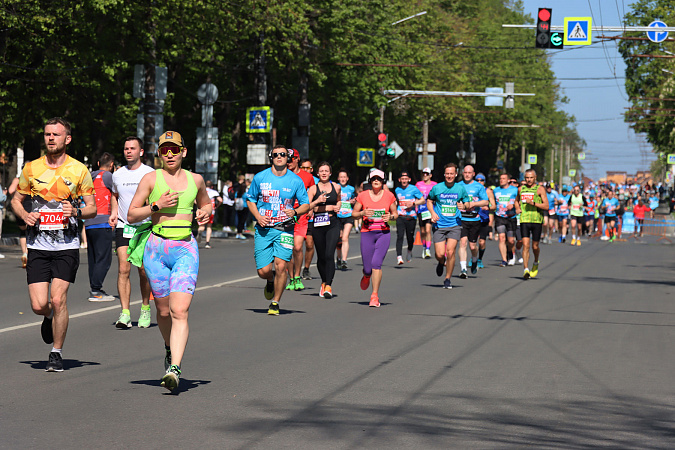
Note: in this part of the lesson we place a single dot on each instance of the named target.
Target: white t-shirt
(125, 184)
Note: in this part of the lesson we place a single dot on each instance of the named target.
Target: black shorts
(471, 229)
(484, 229)
(120, 240)
(531, 229)
(609, 219)
(45, 265)
(422, 223)
(344, 220)
(505, 225)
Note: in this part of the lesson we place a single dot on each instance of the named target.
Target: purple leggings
(374, 246)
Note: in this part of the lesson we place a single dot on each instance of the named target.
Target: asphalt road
(580, 357)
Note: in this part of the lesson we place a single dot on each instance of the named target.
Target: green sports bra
(186, 198)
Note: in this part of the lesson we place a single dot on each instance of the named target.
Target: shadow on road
(185, 384)
(67, 364)
(281, 311)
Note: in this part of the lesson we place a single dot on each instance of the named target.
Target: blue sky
(597, 103)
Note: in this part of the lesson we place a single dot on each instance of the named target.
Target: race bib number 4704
(52, 219)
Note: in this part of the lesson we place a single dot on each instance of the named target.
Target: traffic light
(382, 142)
(391, 153)
(543, 28)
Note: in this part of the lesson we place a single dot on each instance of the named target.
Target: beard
(56, 151)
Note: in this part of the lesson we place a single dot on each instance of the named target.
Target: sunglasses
(164, 151)
(279, 155)
(307, 168)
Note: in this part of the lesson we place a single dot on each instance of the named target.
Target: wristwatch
(154, 207)
(79, 213)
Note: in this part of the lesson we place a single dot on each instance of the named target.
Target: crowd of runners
(149, 214)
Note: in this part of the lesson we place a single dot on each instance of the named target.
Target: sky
(592, 78)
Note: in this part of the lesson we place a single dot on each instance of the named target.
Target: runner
(471, 220)
(124, 186)
(531, 203)
(551, 221)
(408, 198)
(53, 182)
(589, 213)
(445, 201)
(376, 206)
(99, 232)
(653, 203)
(639, 211)
(216, 201)
(563, 212)
(577, 203)
(270, 199)
(308, 166)
(347, 200)
(423, 214)
(610, 205)
(169, 251)
(485, 214)
(301, 227)
(324, 202)
(505, 216)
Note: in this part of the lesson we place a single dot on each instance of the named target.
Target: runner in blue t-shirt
(610, 205)
(347, 200)
(484, 214)
(270, 199)
(444, 203)
(563, 211)
(407, 197)
(550, 222)
(471, 220)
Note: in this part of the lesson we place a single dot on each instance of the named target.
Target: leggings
(407, 227)
(325, 241)
(241, 219)
(374, 246)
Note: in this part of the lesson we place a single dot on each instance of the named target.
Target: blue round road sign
(657, 36)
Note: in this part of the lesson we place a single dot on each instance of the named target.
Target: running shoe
(298, 284)
(399, 260)
(207, 245)
(604, 238)
(474, 267)
(563, 240)
(100, 296)
(145, 318)
(365, 282)
(447, 284)
(24, 260)
(503, 264)
(46, 330)
(167, 358)
(426, 254)
(612, 239)
(269, 289)
(535, 269)
(480, 264)
(440, 267)
(574, 242)
(578, 242)
(2, 256)
(463, 274)
(526, 274)
(409, 256)
(124, 321)
(273, 310)
(343, 266)
(55, 363)
(321, 290)
(305, 274)
(172, 377)
(520, 260)
(512, 261)
(560, 239)
(328, 293)
(290, 286)
(338, 263)
(374, 301)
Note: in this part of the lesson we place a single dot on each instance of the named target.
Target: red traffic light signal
(544, 14)
(543, 37)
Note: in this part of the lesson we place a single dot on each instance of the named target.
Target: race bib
(128, 231)
(576, 207)
(52, 219)
(449, 210)
(321, 219)
(551, 212)
(377, 215)
(426, 215)
(286, 240)
(525, 196)
(346, 206)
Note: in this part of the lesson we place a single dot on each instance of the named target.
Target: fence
(659, 226)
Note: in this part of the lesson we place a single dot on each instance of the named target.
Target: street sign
(500, 164)
(532, 159)
(431, 148)
(397, 148)
(259, 119)
(581, 156)
(671, 158)
(365, 157)
(577, 31)
(557, 40)
(657, 36)
(494, 101)
(430, 162)
(573, 172)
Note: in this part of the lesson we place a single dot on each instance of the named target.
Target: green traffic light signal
(391, 153)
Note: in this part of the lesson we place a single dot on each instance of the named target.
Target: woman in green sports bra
(169, 251)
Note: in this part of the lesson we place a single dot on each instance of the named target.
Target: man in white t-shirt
(216, 201)
(125, 183)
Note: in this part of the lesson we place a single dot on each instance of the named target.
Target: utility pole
(562, 168)
(522, 158)
(552, 174)
(569, 158)
(425, 143)
(380, 125)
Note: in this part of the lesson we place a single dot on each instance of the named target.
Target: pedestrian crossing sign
(577, 31)
(259, 119)
(532, 159)
(365, 157)
(671, 158)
